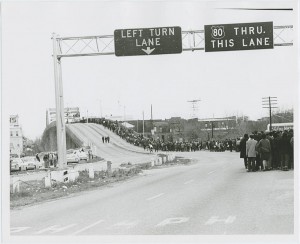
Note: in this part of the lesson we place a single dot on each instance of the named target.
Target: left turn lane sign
(148, 41)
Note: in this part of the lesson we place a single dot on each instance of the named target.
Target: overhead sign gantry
(159, 40)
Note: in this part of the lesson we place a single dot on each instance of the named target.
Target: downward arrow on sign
(148, 50)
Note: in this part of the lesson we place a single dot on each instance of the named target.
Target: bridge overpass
(90, 134)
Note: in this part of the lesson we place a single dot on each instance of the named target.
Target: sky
(227, 83)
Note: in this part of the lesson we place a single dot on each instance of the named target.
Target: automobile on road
(14, 164)
(82, 155)
(32, 162)
(18, 164)
(72, 156)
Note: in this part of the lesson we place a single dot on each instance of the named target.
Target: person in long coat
(243, 149)
(284, 149)
(264, 148)
(251, 153)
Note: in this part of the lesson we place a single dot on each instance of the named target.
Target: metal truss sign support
(104, 45)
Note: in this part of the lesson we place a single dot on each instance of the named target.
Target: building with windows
(71, 115)
(16, 136)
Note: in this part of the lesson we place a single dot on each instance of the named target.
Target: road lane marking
(151, 198)
(211, 172)
(88, 227)
(188, 182)
(216, 219)
(127, 224)
(18, 229)
(169, 221)
(54, 229)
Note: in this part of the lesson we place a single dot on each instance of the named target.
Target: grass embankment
(32, 192)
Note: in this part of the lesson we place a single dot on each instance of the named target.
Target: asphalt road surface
(212, 195)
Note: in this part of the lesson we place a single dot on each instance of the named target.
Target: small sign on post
(148, 41)
(233, 37)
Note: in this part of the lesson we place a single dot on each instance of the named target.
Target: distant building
(221, 124)
(71, 115)
(16, 136)
(161, 130)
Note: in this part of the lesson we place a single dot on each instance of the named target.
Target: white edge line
(188, 182)
(88, 227)
(151, 198)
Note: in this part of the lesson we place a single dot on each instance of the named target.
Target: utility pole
(212, 129)
(152, 126)
(269, 102)
(124, 113)
(143, 124)
(100, 108)
(195, 108)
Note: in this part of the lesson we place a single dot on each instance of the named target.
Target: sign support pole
(270, 111)
(60, 118)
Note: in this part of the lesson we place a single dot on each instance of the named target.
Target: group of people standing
(267, 151)
(105, 139)
(49, 159)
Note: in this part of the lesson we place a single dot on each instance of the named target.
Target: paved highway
(212, 195)
(118, 151)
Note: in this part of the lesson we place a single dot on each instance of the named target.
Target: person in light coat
(251, 153)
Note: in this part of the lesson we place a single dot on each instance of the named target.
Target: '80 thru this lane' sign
(241, 36)
(148, 41)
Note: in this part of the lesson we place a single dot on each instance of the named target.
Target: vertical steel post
(60, 120)
(270, 110)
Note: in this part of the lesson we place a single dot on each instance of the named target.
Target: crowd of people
(260, 151)
(156, 144)
(267, 151)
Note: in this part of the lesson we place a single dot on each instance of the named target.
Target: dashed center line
(188, 182)
(151, 198)
(88, 227)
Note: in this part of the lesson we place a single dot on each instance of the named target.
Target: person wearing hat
(243, 149)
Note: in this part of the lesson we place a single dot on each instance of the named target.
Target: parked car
(14, 164)
(13, 155)
(82, 155)
(72, 156)
(32, 162)
(17, 164)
